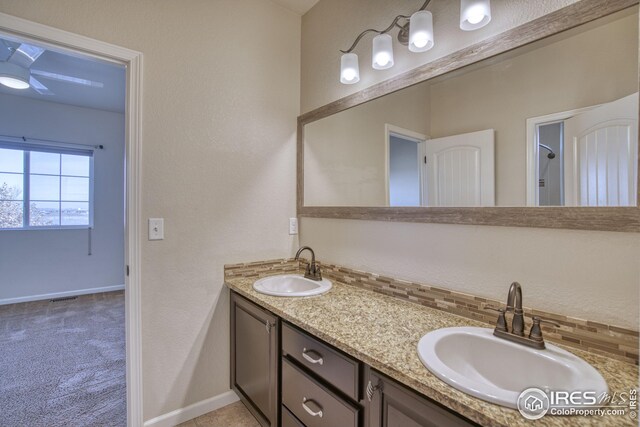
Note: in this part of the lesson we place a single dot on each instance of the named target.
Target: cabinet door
(254, 358)
(393, 405)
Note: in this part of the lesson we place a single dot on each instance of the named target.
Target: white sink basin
(474, 361)
(291, 285)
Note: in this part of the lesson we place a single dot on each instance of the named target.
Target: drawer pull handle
(316, 413)
(318, 359)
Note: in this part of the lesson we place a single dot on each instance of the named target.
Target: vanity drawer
(288, 420)
(312, 403)
(338, 369)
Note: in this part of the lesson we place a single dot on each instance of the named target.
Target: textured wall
(345, 153)
(585, 274)
(221, 95)
(37, 262)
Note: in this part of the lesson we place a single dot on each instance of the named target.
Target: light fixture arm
(386, 30)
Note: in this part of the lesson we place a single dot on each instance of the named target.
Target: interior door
(460, 170)
(601, 149)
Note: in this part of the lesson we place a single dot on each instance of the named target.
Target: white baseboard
(192, 411)
(61, 294)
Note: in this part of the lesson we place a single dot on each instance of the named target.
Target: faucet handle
(314, 270)
(536, 333)
(308, 268)
(493, 308)
(539, 320)
(501, 324)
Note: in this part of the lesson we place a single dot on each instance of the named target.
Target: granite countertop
(383, 332)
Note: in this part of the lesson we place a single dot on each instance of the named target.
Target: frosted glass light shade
(421, 31)
(14, 76)
(349, 70)
(474, 14)
(382, 55)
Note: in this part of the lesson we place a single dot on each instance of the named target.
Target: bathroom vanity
(346, 392)
(474, 122)
(348, 358)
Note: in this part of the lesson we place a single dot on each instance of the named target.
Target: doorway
(550, 138)
(62, 205)
(55, 39)
(404, 180)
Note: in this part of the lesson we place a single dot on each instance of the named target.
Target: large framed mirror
(535, 127)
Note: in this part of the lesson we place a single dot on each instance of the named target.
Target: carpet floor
(62, 364)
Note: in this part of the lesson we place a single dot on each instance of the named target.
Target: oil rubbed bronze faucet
(514, 304)
(313, 271)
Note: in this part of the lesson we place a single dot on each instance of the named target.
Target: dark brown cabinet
(288, 377)
(320, 385)
(334, 367)
(254, 358)
(289, 420)
(312, 402)
(390, 404)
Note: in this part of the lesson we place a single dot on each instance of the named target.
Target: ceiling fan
(16, 71)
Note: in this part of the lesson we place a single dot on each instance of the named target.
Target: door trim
(390, 129)
(532, 147)
(60, 39)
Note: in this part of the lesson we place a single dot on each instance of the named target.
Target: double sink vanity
(346, 356)
(464, 139)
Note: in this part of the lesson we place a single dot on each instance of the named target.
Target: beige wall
(594, 275)
(345, 156)
(221, 95)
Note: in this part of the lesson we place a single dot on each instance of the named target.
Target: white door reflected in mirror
(460, 170)
(601, 155)
(456, 170)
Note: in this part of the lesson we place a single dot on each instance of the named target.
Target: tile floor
(234, 415)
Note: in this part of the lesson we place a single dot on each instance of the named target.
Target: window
(45, 187)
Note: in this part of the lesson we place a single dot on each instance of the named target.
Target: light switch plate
(156, 228)
(293, 226)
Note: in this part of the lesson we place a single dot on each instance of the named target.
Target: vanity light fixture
(349, 70)
(421, 31)
(382, 54)
(416, 32)
(14, 76)
(474, 14)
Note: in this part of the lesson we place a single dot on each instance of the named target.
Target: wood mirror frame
(579, 218)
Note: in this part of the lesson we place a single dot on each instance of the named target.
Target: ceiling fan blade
(6, 52)
(25, 55)
(67, 79)
(39, 87)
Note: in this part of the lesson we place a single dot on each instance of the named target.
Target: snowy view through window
(54, 193)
